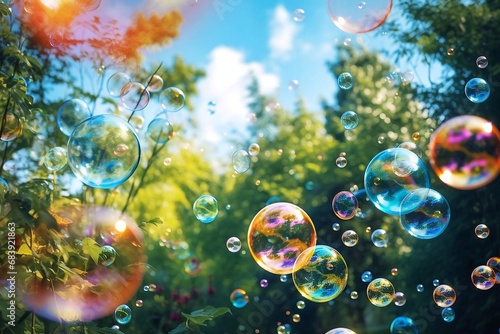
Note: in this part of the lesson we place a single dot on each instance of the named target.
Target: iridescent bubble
(264, 283)
(403, 325)
(55, 159)
(239, 298)
(273, 199)
(477, 90)
(139, 303)
(253, 149)
(72, 113)
(134, 96)
(380, 292)
(341, 162)
(172, 99)
(444, 295)
(465, 152)
(420, 288)
(241, 161)
(415, 136)
(299, 15)
(345, 205)
(56, 39)
(380, 238)
(387, 183)
(408, 77)
(340, 330)
(301, 304)
(91, 151)
(494, 263)
(107, 256)
(320, 273)
(393, 78)
(206, 209)
(345, 80)
(482, 231)
(380, 140)
(120, 150)
(335, 226)
(152, 287)
(123, 314)
(37, 121)
(394, 271)
(399, 299)
(296, 317)
(349, 120)
(448, 314)
(115, 327)
(155, 83)
(483, 277)
(283, 278)
(278, 234)
(349, 18)
(430, 218)
(192, 266)
(482, 62)
(435, 282)
(160, 130)
(233, 244)
(90, 5)
(366, 276)
(116, 82)
(409, 145)
(350, 238)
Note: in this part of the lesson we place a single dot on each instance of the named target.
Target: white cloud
(283, 32)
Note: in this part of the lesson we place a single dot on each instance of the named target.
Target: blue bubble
(123, 314)
(239, 298)
(448, 314)
(477, 90)
(349, 120)
(70, 114)
(420, 288)
(160, 130)
(206, 209)
(380, 238)
(403, 325)
(366, 276)
(273, 199)
(345, 80)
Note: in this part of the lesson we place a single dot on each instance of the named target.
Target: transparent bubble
(483, 277)
(233, 244)
(91, 151)
(160, 130)
(253, 149)
(206, 209)
(450, 51)
(385, 188)
(493, 263)
(309, 185)
(361, 5)
(192, 266)
(345, 80)
(55, 159)
(70, 114)
(107, 256)
(341, 162)
(155, 83)
(212, 107)
(139, 303)
(435, 282)
(448, 314)
(444, 295)
(172, 99)
(320, 273)
(350, 238)
(394, 271)
(366, 276)
(381, 140)
(12, 127)
(393, 78)
(336, 226)
(465, 152)
(353, 295)
(482, 231)
(241, 161)
(430, 217)
(90, 5)
(283, 278)
(167, 161)
(37, 121)
(345, 205)
(482, 62)
(123, 314)
(409, 145)
(293, 84)
(404, 325)
(116, 82)
(380, 238)
(299, 15)
(134, 96)
(281, 329)
(56, 38)
(420, 288)
(239, 298)
(120, 150)
(477, 90)
(349, 18)
(340, 330)
(264, 283)
(152, 287)
(278, 234)
(380, 292)
(347, 41)
(137, 121)
(349, 120)
(301, 305)
(399, 299)
(408, 77)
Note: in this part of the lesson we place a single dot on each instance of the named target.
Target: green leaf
(92, 249)
(155, 221)
(181, 329)
(207, 313)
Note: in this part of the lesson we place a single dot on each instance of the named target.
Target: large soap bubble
(380, 292)
(70, 114)
(320, 273)
(340, 330)
(403, 325)
(85, 290)
(391, 175)
(444, 295)
(92, 151)
(359, 16)
(11, 128)
(430, 217)
(465, 152)
(477, 90)
(278, 234)
(134, 96)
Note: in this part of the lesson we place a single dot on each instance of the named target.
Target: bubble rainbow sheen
(465, 152)
(380, 292)
(278, 234)
(98, 289)
(320, 273)
(340, 330)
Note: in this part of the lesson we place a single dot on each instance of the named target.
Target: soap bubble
(70, 114)
(264, 283)
(116, 82)
(134, 96)
(394, 271)
(253, 149)
(448, 314)
(107, 256)
(345, 205)
(444, 295)
(341, 162)
(299, 15)
(56, 38)
(239, 298)
(241, 161)
(380, 238)
(349, 120)
(155, 83)
(320, 273)
(420, 288)
(123, 314)
(399, 299)
(354, 295)
(37, 121)
(435, 282)
(409, 145)
(278, 234)
(340, 330)
(483, 277)
(206, 209)
(380, 292)
(345, 80)
(348, 17)
(393, 78)
(91, 151)
(350, 238)
(403, 325)
(273, 199)
(296, 317)
(335, 226)
(477, 90)
(192, 266)
(293, 84)
(160, 130)
(408, 77)
(465, 152)
(301, 305)
(55, 159)
(76, 298)
(172, 99)
(450, 51)
(90, 5)
(366, 276)
(380, 140)
(233, 244)
(283, 278)
(482, 231)
(391, 175)
(482, 62)
(139, 303)
(494, 263)
(430, 218)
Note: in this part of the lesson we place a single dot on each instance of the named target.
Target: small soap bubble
(482, 62)
(228, 207)
(408, 77)
(264, 283)
(393, 78)
(368, 229)
(444, 295)
(293, 84)
(336, 226)
(172, 99)
(139, 303)
(483, 277)
(380, 292)
(134, 96)
(167, 161)
(160, 130)
(366, 276)
(349, 120)
(123, 314)
(56, 39)
(477, 90)
(55, 159)
(145, 288)
(350, 238)
(354, 295)
(415, 136)
(420, 288)
(450, 51)
(284, 278)
(399, 299)
(152, 287)
(380, 238)
(155, 83)
(435, 282)
(403, 325)
(345, 205)
(345, 80)
(299, 15)
(239, 298)
(233, 244)
(296, 317)
(341, 162)
(412, 147)
(301, 304)
(361, 5)
(206, 209)
(482, 231)
(253, 149)
(107, 256)
(241, 161)
(381, 140)
(347, 41)
(37, 121)
(115, 327)
(212, 107)
(394, 272)
(448, 314)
